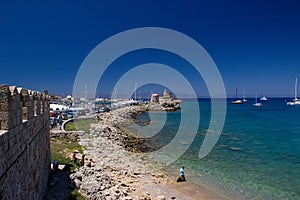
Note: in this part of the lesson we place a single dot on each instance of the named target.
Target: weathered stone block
(4, 124)
(3, 115)
(4, 106)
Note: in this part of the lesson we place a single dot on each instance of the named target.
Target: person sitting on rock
(181, 173)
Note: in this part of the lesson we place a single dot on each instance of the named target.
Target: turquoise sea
(256, 157)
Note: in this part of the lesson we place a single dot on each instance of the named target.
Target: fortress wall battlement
(24, 143)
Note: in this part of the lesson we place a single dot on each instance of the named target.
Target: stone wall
(24, 143)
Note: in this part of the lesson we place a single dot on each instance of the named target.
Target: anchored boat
(237, 101)
(295, 101)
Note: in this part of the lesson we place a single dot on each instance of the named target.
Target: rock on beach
(118, 172)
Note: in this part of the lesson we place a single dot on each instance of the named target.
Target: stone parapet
(24, 143)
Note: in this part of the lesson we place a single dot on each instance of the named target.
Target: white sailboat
(264, 98)
(257, 104)
(244, 99)
(237, 101)
(295, 101)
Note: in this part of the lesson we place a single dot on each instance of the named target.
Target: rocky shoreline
(120, 170)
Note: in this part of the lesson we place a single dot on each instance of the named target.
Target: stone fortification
(24, 143)
(168, 102)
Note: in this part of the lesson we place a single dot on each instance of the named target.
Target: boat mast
(296, 84)
(256, 97)
(236, 93)
(135, 91)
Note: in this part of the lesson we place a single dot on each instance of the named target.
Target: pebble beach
(120, 168)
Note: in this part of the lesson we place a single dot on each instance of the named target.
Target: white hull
(237, 102)
(258, 104)
(263, 99)
(293, 103)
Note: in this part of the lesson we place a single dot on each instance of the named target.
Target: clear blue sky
(256, 45)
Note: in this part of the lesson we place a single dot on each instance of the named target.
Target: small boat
(237, 101)
(257, 104)
(295, 101)
(244, 99)
(264, 98)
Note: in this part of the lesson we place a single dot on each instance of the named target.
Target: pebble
(161, 197)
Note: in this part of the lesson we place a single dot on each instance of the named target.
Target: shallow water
(256, 157)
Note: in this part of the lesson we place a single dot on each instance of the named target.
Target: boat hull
(293, 103)
(237, 102)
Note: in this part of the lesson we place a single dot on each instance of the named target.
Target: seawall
(24, 143)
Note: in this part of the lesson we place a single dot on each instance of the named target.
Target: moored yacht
(264, 98)
(237, 101)
(295, 101)
(244, 99)
(257, 104)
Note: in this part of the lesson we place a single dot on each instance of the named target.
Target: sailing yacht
(295, 101)
(257, 104)
(237, 101)
(264, 98)
(244, 99)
